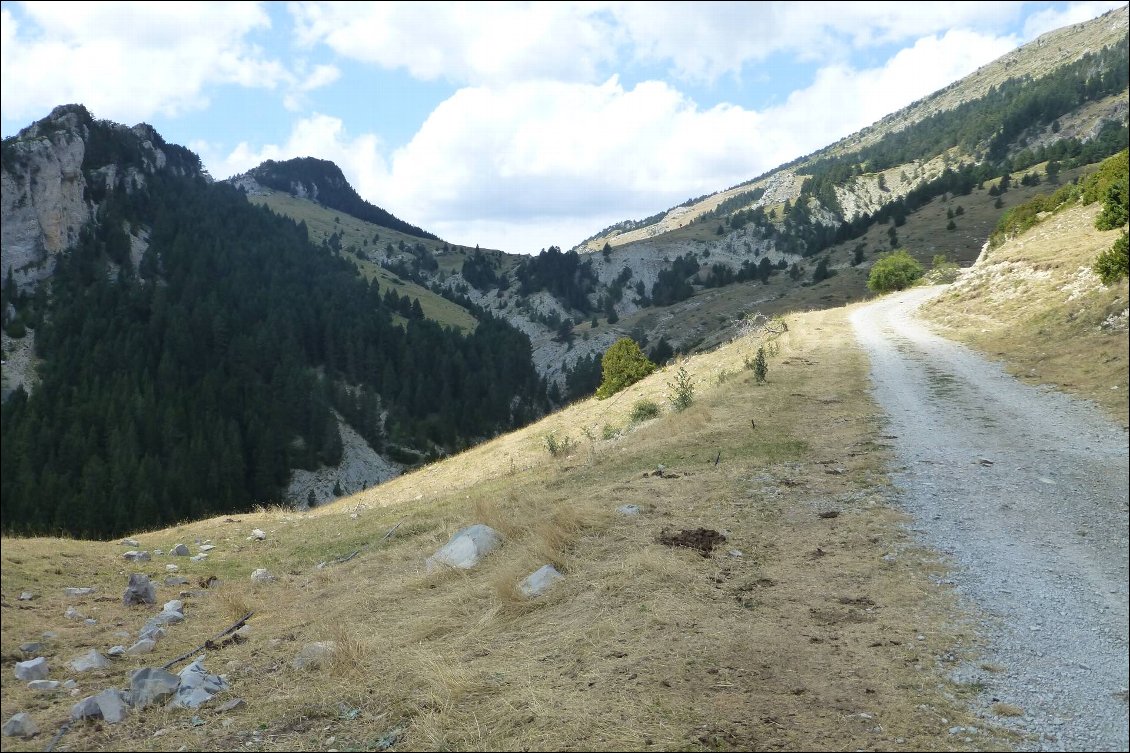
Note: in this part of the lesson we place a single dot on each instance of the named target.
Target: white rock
(88, 661)
(466, 548)
(197, 686)
(107, 705)
(172, 568)
(115, 651)
(628, 510)
(176, 605)
(199, 557)
(314, 655)
(43, 686)
(540, 581)
(36, 669)
(134, 556)
(27, 596)
(261, 575)
(143, 646)
(205, 548)
(78, 591)
(20, 725)
(73, 614)
(257, 534)
(129, 542)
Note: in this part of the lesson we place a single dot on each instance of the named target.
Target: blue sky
(510, 125)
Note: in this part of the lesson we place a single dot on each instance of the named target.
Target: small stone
(143, 646)
(116, 651)
(197, 686)
(180, 550)
(736, 553)
(176, 581)
(172, 568)
(88, 661)
(27, 596)
(313, 655)
(198, 557)
(466, 548)
(43, 686)
(158, 552)
(90, 621)
(232, 705)
(956, 730)
(78, 591)
(257, 534)
(107, 705)
(133, 556)
(150, 685)
(205, 548)
(244, 631)
(36, 669)
(139, 591)
(31, 648)
(628, 510)
(20, 725)
(129, 542)
(540, 581)
(70, 684)
(176, 605)
(261, 575)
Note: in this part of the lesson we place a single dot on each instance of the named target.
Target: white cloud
(1050, 19)
(497, 43)
(463, 42)
(524, 165)
(129, 61)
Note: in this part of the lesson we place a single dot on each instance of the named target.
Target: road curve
(1025, 489)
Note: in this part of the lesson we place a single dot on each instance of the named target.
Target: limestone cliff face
(50, 178)
(43, 204)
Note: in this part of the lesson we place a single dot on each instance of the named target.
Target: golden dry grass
(1035, 303)
(809, 640)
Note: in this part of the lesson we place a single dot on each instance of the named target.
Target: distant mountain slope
(194, 350)
(323, 182)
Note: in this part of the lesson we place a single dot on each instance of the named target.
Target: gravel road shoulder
(1025, 490)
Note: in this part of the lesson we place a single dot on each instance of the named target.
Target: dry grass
(1035, 303)
(809, 639)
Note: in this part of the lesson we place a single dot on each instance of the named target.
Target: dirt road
(1025, 490)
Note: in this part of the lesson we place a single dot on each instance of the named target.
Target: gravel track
(1025, 490)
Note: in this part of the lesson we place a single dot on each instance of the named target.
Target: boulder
(180, 550)
(314, 655)
(257, 534)
(115, 652)
(107, 705)
(465, 548)
(43, 686)
(129, 542)
(88, 661)
(198, 557)
(205, 548)
(150, 685)
(176, 605)
(197, 686)
(133, 556)
(139, 591)
(36, 669)
(539, 581)
(20, 725)
(31, 648)
(26, 596)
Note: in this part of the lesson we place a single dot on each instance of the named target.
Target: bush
(624, 364)
(894, 271)
(760, 367)
(1112, 265)
(681, 390)
(643, 410)
(558, 446)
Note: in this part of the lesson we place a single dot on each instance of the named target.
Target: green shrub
(624, 364)
(1112, 266)
(680, 390)
(558, 446)
(897, 270)
(643, 410)
(760, 367)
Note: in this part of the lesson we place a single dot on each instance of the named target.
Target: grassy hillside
(803, 631)
(361, 237)
(1035, 302)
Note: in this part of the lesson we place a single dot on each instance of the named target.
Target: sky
(509, 125)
